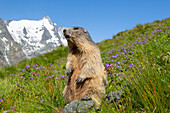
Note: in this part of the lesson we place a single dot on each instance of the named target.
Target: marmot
(87, 77)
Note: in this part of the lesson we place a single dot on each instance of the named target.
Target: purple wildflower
(131, 64)
(53, 75)
(140, 42)
(1, 99)
(108, 65)
(153, 32)
(127, 58)
(50, 65)
(56, 78)
(21, 77)
(126, 50)
(24, 70)
(42, 100)
(158, 30)
(167, 27)
(61, 76)
(110, 51)
(118, 62)
(119, 67)
(27, 66)
(12, 74)
(124, 60)
(49, 77)
(39, 67)
(114, 56)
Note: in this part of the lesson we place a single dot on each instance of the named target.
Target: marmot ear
(85, 31)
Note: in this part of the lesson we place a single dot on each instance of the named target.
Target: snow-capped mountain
(33, 37)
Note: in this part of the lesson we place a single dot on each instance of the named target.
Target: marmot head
(77, 36)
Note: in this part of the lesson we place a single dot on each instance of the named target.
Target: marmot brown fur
(87, 78)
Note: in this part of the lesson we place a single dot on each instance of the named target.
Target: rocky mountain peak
(47, 19)
(29, 36)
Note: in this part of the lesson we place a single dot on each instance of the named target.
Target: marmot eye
(76, 28)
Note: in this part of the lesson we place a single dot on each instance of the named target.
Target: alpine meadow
(137, 61)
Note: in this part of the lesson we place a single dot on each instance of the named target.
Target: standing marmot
(87, 78)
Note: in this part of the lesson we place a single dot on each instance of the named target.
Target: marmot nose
(64, 30)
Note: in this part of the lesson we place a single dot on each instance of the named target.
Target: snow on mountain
(10, 51)
(36, 37)
(62, 37)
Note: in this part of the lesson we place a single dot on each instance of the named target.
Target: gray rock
(46, 35)
(114, 96)
(25, 31)
(80, 106)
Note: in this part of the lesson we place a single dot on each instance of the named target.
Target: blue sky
(102, 18)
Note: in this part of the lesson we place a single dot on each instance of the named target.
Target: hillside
(137, 61)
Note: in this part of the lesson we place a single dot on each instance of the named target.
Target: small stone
(115, 96)
(79, 106)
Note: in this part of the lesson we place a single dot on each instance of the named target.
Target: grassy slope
(136, 60)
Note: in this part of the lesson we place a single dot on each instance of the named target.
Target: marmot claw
(85, 98)
(79, 80)
(69, 72)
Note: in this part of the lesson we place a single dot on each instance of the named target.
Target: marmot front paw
(69, 72)
(80, 80)
(86, 98)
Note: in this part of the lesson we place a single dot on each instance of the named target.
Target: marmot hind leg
(93, 95)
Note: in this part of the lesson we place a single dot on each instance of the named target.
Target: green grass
(136, 61)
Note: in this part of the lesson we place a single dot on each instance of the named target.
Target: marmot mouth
(67, 36)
